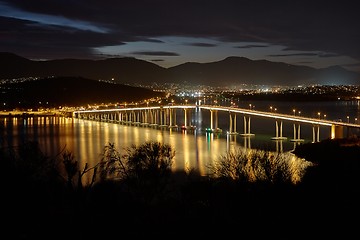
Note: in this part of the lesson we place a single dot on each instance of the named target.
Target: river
(193, 149)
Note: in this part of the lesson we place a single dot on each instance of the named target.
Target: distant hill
(123, 70)
(72, 91)
(230, 71)
(237, 70)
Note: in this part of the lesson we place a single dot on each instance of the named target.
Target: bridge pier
(172, 118)
(297, 137)
(129, 119)
(152, 116)
(213, 128)
(137, 118)
(162, 118)
(278, 131)
(232, 124)
(316, 133)
(122, 117)
(155, 117)
(247, 128)
(143, 119)
(186, 121)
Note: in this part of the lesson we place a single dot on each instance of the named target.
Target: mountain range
(231, 71)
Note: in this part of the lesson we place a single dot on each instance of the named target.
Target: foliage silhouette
(258, 165)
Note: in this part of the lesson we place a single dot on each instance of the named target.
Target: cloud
(328, 27)
(151, 40)
(155, 53)
(294, 54)
(201, 44)
(327, 55)
(157, 60)
(51, 42)
(252, 46)
(45, 19)
(322, 55)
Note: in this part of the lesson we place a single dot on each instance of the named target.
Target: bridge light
(319, 114)
(294, 111)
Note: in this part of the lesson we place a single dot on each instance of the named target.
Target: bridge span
(165, 116)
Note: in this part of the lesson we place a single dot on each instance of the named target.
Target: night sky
(170, 32)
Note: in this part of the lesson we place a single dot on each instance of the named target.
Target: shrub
(258, 165)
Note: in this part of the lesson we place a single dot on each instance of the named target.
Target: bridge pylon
(232, 124)
(297, 137)
(247, 132)
(278, 132)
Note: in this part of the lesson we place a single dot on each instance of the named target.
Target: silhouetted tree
(111, 163)
(149, 168)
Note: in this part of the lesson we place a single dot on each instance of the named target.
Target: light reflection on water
(86, 140)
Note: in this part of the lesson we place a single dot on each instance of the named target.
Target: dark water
(193, 149)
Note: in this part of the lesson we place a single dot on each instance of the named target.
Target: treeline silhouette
(135, 193)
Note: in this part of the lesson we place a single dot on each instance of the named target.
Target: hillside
(230, 71)
(123, 70)
(69, 91)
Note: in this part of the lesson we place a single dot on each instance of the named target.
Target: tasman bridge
(165, 116)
